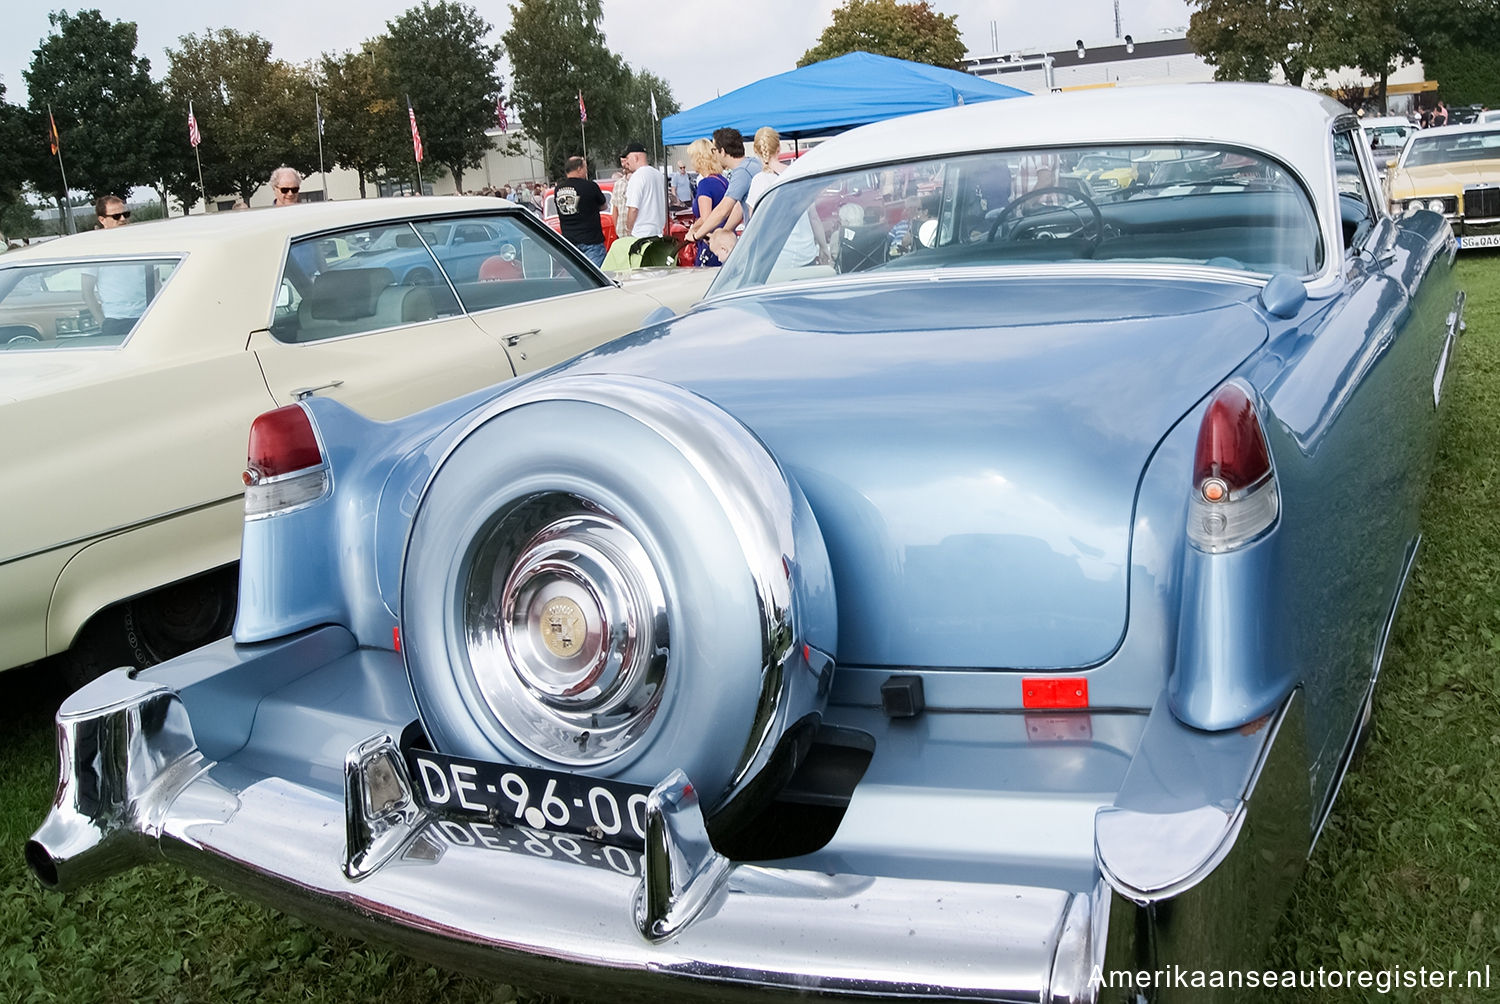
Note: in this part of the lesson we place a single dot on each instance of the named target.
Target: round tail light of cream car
(614, 576)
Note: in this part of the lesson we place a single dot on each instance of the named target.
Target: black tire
(154, 627)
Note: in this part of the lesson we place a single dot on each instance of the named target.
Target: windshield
(78, 304)
(1476, 144)
(1171, 204)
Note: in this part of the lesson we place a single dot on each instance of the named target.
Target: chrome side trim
(122, 527)
(1368, 705)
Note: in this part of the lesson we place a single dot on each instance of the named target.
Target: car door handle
(302, 393)
(514, 339)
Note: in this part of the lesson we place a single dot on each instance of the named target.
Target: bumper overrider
(188, 761)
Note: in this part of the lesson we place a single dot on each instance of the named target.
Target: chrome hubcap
(565, 629)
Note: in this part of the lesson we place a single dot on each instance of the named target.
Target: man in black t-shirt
(579, 202)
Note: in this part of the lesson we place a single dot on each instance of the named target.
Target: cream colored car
(1453, 170)
(133, 360)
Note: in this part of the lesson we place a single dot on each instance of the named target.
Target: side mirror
(284, 296)
(927, 233)
(1390, 163)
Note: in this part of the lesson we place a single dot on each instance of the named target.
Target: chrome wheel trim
(564, 622)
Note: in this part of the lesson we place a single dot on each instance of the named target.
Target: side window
(1356, 193)
(91, 304)
(499, 261)
(360, 280)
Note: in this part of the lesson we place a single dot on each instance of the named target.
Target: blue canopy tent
(833, 95)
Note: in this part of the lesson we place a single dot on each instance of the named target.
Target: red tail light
(1235, 497)
(1231, 447)
(284, 466)
(281, 442)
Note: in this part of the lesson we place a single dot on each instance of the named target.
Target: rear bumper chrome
(135, 783)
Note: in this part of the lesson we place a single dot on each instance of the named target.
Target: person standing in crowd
(111, 212)
(767, 148)
(286, 186)
(579, 203)
(1440, 116)
(645, 195)
(116, 295)
(711, 185)
(730, 211)
(807, 244)
(682, 186)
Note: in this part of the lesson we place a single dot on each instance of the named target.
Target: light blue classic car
(982, 620)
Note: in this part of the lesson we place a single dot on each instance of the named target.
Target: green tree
(24, 140)
(108, 111)
(557, 51)
(440, 60)
(1247, 39)
(1457, 41)
(364, 120)
(255, 112)
(1370, 36)
(911, 31)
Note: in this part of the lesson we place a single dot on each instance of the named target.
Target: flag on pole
(194, 136)
(416, 137)
(52, 137)
(583, 113)
(653, 107)
(500, 113)
(318, 111)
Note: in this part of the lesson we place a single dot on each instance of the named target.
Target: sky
(663, 36)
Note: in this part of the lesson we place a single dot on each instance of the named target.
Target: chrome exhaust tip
(125, 750)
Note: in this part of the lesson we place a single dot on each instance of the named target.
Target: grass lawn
(1407, 873)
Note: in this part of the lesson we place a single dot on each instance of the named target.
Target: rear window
(1179, 204)
(79, 304)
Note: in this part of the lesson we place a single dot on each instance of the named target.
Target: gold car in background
(1453, 170)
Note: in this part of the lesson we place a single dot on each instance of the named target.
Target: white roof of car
(188, 233)
(1289, 123)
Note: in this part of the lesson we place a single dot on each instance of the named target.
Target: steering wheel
(1011, 209)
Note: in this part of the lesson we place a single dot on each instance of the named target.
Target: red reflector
(1230, 444)
(1055, 692)
(396, 638)
(281, 441)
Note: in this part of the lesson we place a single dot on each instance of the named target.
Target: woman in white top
(808, 242)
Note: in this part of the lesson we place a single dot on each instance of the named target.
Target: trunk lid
(971, 448)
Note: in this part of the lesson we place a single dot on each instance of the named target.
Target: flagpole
(318, 111)
(583, 117)
(68, 224)
(412, 115)
(195, 138)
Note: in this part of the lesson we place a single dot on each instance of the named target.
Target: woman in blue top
(711, 188)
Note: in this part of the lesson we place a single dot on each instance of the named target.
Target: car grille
(1482, 202)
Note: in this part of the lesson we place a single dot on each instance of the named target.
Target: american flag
(500, 113)
(583, 113)
(416, 137)
(194, 136)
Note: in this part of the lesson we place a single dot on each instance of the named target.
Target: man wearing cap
(645, 197)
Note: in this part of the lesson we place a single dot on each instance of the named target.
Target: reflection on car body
(964, 622)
